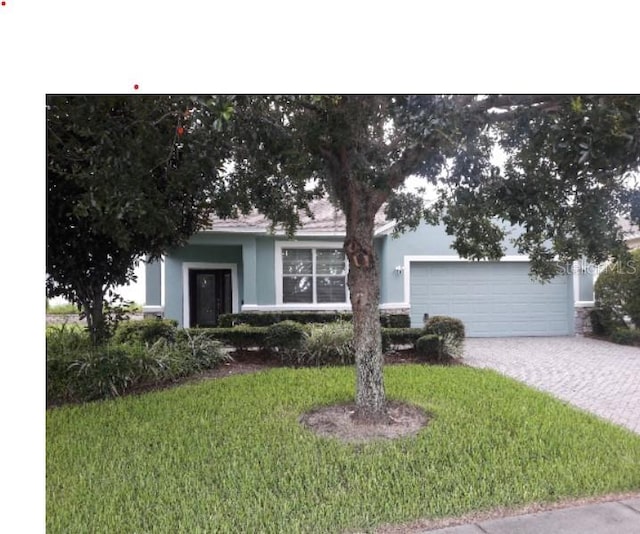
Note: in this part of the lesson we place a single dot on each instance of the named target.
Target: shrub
(77, 371)
(401, 320)
(625, 336)
(65, 341)
(617, 290)
(441, 325)
(104, 371)
(395, 320)
(240, 337)
(603, 322)
(190, 354)
(441, 349)
(147, 331)
(451, 346)
(400, 336)
(286, 339)
(428, 346)
(328, 344)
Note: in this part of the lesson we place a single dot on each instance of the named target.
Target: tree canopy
(126, 177)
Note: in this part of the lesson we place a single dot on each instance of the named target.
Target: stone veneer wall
(582, 321)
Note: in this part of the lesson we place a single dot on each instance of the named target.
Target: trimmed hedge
(428, 346)
(243, 337)
(400, 320)
(147, 331)
(442, 325)
(625, 336)
(400, 336)
(604, 322)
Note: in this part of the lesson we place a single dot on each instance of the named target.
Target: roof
(326, 220)
(629, 229)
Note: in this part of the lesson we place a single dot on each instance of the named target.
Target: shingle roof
(629, 229)
(326, 220)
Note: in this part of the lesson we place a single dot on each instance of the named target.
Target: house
(631, 232)
(239, 265)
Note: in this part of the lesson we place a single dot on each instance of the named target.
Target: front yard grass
(230, 456)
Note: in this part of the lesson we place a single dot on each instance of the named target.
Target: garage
(493, 299)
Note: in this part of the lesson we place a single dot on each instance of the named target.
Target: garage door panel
(492, 298)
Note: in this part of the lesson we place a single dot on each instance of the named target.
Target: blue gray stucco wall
(254, 257)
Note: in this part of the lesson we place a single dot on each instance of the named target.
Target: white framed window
(311, 274)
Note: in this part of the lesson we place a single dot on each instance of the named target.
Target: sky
(74, 46)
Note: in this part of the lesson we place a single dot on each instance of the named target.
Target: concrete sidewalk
(615, 517)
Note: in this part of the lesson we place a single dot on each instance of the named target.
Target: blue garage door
(494, 299)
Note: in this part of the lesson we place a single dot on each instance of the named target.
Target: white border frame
(186, 302)
(279, 245)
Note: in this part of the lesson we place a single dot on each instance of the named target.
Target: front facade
(240, 266)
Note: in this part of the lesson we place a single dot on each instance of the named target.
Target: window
(314, 276)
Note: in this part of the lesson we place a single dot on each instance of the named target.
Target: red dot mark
(4, 3)
(180, 130)
(136, 87)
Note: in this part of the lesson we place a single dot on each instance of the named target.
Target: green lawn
(229, 455)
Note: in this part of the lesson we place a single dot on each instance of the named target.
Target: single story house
(239, 265)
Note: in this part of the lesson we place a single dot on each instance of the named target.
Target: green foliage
(401, 336)
(286, 339)
(603, 321)
(428, 346)
(241, 337)
(328, 344)
(189, 354)
(625, 336)
(268, 318)
(617, 290)
(147, 331)
(442, 325)
(395, 320)
(209, 456)
(451, 347)
(443, 339)
(78, 371)
(122, 184)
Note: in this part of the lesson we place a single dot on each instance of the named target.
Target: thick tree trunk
(364, 286)
(92, 306)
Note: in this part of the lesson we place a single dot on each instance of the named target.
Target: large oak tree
(565, 180)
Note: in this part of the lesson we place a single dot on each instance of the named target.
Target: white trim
(317, 307)
(279, 245)
(456, 258)
(296, 307)
(395, 306)
(584, 304)
(575, 267)
(152, 309)
(203, 265)
(276, 233)
(162, 280)
(446, 258)
(384, 229)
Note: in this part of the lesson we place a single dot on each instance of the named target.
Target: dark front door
(209, 295)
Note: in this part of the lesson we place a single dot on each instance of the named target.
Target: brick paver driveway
(597, 376)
